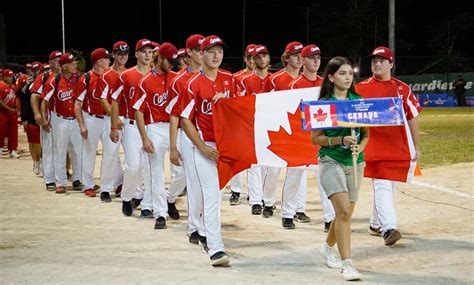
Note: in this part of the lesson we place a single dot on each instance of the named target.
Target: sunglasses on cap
(122, 48)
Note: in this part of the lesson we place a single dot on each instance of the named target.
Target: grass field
(447, 136)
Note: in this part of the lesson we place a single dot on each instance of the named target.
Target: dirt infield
(73, 239)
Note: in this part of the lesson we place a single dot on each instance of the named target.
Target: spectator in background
(459, 86)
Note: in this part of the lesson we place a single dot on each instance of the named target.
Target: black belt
(131, 122)
(64, 117)
(97, 116)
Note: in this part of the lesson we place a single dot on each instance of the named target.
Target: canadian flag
(263, 130)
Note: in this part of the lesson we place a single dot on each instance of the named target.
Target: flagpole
(354, 160)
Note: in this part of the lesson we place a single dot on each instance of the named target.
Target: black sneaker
(203, 244)
(136, 203)
(301, 217)
(219, 258)
(194, 237)
(373, 231)
(77, 185)
(267, 212)
(327, 226)
(391, 236)
(172, 211)
(234, 198)
(146, 214)
(256, 209)
(51, 186)
(127, 208)
(287, 223)
(160, 223)
(105, 197)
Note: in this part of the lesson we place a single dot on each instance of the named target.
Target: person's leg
(94, 127)
(384, 204)
(254, 185)
(75, 140)
(270, 183)
(111, 173)
(13, 132)
(133, 172)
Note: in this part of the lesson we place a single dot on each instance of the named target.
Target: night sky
(425, 31)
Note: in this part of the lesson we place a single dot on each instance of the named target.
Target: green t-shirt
(341, 154)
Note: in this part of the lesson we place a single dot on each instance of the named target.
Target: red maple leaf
(320, 116)
(297, 148)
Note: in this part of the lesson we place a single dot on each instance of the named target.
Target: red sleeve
(188, 102)
(79, 91)
(138, 101)
(49, 87)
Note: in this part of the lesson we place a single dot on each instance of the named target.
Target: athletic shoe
(219, 258)
(51, 186)
(234, 198)
(256, 209)
(301, 217)
(160, 223)
(267, 212)
(194, 237)
(391, 236)
(374, 231)
(77, 185)
(60, 190)
(127, 208)
(36, 168)
(348, 272)
(105, 197)
(330, 257)
(118, 191)
(136, 203)
(14, 154)
(146, 214)
(172, 211)
(287, 223)
(203, 244)
(327, 226)
(89, 192)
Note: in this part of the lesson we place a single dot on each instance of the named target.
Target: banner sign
(377, 112)
(436, 100)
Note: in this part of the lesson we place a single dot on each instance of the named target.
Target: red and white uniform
(46, 138)
(176, 93)
(198, 106)
(278, 81)
(252, 84)
(131, 141)
(303, 82)
(111, 171)
(152, 99)
(389, 151)
(240, 74)
(65, 129)
(8, 121)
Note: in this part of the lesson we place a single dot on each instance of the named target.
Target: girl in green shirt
(336, 169)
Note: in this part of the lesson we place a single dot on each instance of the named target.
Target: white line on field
(442, 189)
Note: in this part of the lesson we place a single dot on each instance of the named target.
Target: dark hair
(327, 88)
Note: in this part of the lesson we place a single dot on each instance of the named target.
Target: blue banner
(436, 100)
(318, 115)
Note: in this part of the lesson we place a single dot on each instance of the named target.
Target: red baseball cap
(258, 49)
(44, 67)
(169, 51)
(120, 46)
(28, 66)
(249, 49)
(22, 79)
(144, 43)
(156, 46)
(54, 54)
(66, 58)
(7, 73)
(194, 41)
(211, 41)
(293, 47)
(384, 52)
(310, 50)
(181, 52)
(99, 53)
(35, 65)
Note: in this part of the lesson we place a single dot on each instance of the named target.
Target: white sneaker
(348, 272)
(14, 154)
(36, 168)
(329, 254)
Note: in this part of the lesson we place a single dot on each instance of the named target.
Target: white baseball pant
(178, 177)
(95, 128)
(270, 183)
(194, 195)
(291, 189)
(158, 133)
(111, 172)
(384, 215)
(212, 196)
(255, 184)
(236, 183)
(47, 156)
(66, 133)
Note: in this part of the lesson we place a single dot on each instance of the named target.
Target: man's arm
(193, 135)
(106, 106)
(80, 118)
(147, 143)
(44, 123)
(4, 106)
(175, 156)
(415, 134)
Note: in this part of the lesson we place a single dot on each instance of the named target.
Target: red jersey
(251, 84)
(88, 94)
(108, 82)
(395, 140)
(125, 93)
(8, 95)
(63, 103)
(39, 82)
(176, 92)
(198, 102)
(278, 81)
(303, 82)
(152, 96)
(240, 74)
